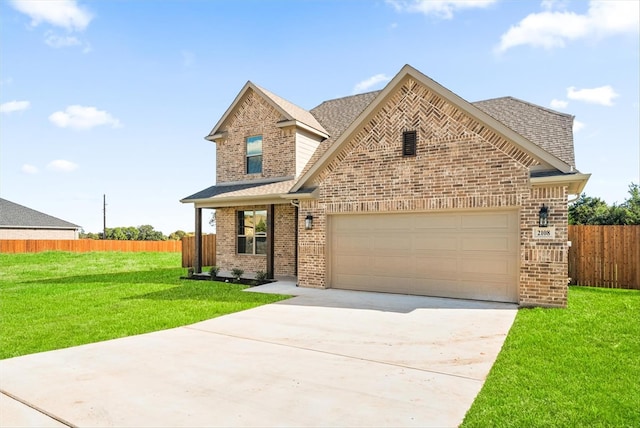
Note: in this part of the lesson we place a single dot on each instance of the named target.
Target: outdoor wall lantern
(543, 216)
(308, 222)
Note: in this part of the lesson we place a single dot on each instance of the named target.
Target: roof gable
(19, 216)
(288, 110)
(528, 147)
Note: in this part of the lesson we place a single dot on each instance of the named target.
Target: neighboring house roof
(14, 215)
(549, 129)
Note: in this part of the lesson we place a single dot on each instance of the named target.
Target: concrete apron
(324, 358)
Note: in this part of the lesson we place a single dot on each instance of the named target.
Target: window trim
(240, 216)
(248, 157)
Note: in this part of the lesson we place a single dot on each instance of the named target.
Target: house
(410, 189)
(20, 222)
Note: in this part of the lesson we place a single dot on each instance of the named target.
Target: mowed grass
(574, 367)
(55, 300)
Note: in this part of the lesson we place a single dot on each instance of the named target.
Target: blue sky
(115, 97)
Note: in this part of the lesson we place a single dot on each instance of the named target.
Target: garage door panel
(350, 243)
(471, 254)
(390, 241)
(439, 242)
(425, 266)
(435, 222)
(487, 221)
(486, 266)
(397, 265)
(487, 243)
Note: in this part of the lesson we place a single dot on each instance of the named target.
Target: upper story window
(254, 154)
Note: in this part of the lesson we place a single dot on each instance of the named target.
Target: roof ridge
(538, 106)
(346, 97)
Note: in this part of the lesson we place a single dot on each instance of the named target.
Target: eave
(575, 182)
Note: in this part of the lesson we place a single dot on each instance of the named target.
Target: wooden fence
(86, 245)
(605, 256)
(208, 250)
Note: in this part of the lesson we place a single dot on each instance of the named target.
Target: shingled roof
(18, 216)
(549, 129)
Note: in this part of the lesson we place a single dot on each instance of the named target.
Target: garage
(460, 254)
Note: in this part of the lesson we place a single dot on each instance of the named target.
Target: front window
(252, 232)
(254, 155)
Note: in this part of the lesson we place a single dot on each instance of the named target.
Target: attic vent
(409, 140)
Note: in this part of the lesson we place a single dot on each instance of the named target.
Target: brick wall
(284, 244)
(460, 164)
(254, 116)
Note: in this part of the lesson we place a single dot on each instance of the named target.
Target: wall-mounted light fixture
(543, 216)
(308, 222)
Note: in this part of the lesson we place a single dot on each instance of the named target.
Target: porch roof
(242, 191)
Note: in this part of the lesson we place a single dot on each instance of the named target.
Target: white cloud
(12, 106)
(370, 82)
(551, 29)
(577, 125)
(603, 95)
(56, 41)
(29, 169)
(61, 165)
(81, 117)
(558, 103)
(443, 9)
(60, 13)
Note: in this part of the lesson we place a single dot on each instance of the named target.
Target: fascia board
(575, 182)
(232, 201)
(298, 124)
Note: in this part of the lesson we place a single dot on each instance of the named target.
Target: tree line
(145, 232)
(593, 210)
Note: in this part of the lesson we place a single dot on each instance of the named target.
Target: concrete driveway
(324, 358)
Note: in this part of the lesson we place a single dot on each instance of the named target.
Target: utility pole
(104, 216)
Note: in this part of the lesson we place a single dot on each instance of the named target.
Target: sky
(115, 97)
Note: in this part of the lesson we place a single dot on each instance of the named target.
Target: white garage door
(470, 255)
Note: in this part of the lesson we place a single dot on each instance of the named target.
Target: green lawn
(574, 367)
(55, 300)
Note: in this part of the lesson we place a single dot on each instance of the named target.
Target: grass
(54, 300)
(574, 367)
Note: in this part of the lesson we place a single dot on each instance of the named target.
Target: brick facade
(460, 164)
(284, 241)
(254, 116)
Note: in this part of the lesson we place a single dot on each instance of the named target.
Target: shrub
(261, 275)
(214, 271)
(237, 273)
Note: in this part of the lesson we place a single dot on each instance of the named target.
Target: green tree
(589, 210)
(147, 233)
(178, 235)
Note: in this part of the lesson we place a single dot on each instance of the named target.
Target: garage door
(469, 255)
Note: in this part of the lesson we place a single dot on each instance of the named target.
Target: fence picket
(605, 256)
(10, 246)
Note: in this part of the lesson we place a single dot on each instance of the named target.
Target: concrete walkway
(324, 358)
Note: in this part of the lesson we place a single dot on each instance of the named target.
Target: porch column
(270, 229)
(197, 254)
